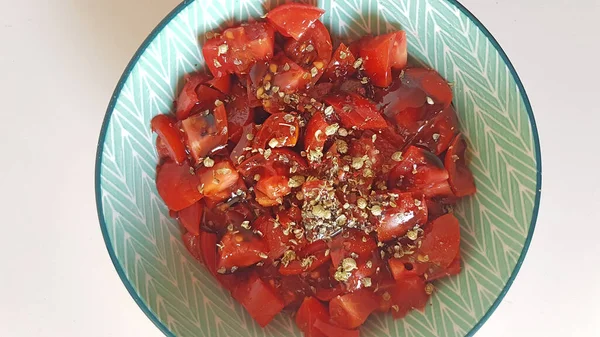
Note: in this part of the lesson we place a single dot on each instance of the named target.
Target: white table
(59, 63)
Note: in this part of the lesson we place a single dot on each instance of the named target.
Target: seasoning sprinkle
(208, 162)
(223, 49)
(429, 100)
(397, 156)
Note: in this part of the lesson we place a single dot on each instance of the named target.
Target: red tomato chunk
(315, 177)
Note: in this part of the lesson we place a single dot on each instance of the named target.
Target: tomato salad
(315, 179)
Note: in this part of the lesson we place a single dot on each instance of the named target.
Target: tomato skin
(246, 45)
(315, 249)
(241, 249)
(356, 111)
(330, 330)
(205, 134)
(460, 176)
(177, 186)
(259, 299)
(396, 221)
(341, 65)
(292, 80)
(223, 84)
(282, 127)
(218, 178)
(453, 269)
(441, 240)
(170, 137)
(431, 83)
(294, 19)
(279, 162)
(315, 136)
(309, 312)
(407, 294)
(382, 53)
(190, 217)
(351, 310)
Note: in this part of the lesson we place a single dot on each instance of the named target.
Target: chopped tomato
(408, 213)
(420, 171)
(207, 98)
(312, 51)
(341, 64)
(400, 269)
(177, 185)
(460, 177)
(357, 112)
(170, 136)
(439, 131)
(206, 133)
(289, 76)
(331, 330)
(258, 298)
(238, 48)
(274, 187)
(409, 293)
(188, 98)
(381, 54)
(223, 84)
(294, 19)
(351, 310)
(316, 133)
(220, 177)
(190, 217)
(309, 312)
(239, 113)
(431, 83)
(453, 269)
(192, 244)
(281, 162)
(277, 241)
(310, 258)
(279, 130)
(241, 249)
(441, 241)
(162, 150)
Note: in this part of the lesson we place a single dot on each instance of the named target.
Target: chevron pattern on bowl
(182, 299)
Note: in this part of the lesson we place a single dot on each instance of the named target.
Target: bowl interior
(497, 223)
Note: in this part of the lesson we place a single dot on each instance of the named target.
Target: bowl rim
(164, 22)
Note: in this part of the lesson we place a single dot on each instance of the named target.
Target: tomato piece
(177, 186)
(238, 48)
(329, 293)
(315, 252)
(223, 84)
(188, 98)
(460, 176)
(259, 299)
(441, 241)
(431, 83)
(279, 130)
(453, 269)
(277, 241)
(357, 112)
(381, 54)
(219, 215)
(282, 161)
(290, 77)
(400, 269)
(294, 19)
(218, 178)
(207, 98)
(312, 51)
(309, 312)
(330, 330)
(206, 133)
(351, 310)
(274, 187)
(241, 249)
(192, 244)
(255, 80)
(208, 247)
(316, 133)
(239, 113)
(341, 65)
(352, 241)
(409, 293)
(420, 171)
(170, 137)
(439, 132)
(408, 213)
(190, 218)
(162, 150)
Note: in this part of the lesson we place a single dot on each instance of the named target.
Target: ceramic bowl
(181, 297)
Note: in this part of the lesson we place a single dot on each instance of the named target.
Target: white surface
(59, 63)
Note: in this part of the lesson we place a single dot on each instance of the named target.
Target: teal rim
(166, 21)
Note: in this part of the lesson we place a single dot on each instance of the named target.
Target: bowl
(497, 223)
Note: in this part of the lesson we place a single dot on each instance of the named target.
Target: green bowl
(181, 297)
